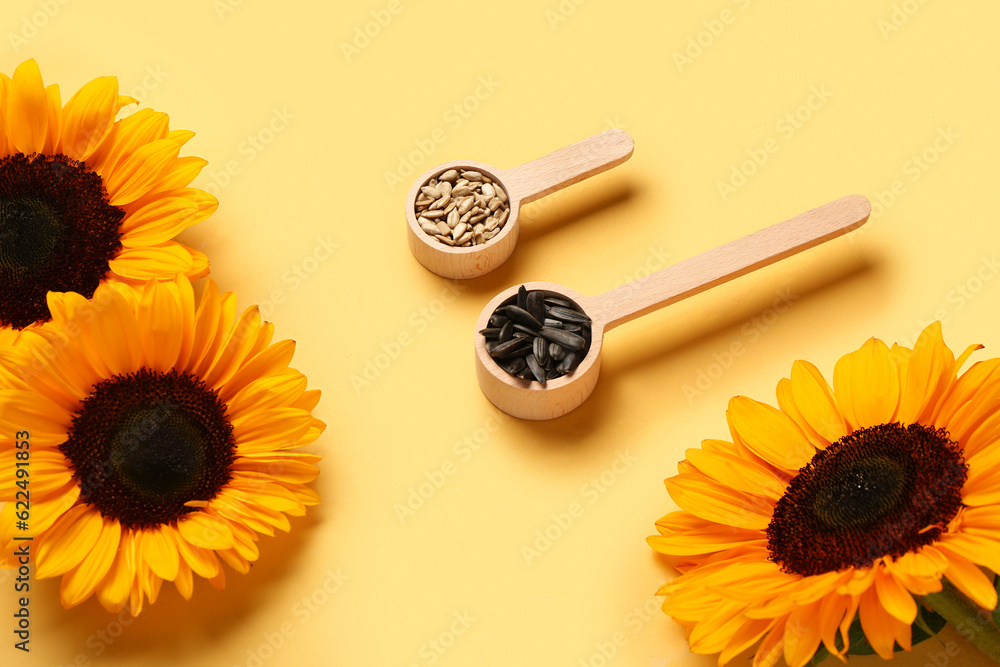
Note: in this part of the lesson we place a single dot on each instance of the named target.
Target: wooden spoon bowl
(532, 400)
(522, 184)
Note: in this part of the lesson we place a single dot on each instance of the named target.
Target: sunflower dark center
(880, 491)
(142, 445)
(29, 232)
(57, 233)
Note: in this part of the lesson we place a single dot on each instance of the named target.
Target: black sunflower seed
(536, 305)
(506, 332)
(568, 363)
(536, 370)
(536, 337)
(568, 340)
(540, 348)
(521, 316)
(568, 315)
(511, 347)
(515, 365)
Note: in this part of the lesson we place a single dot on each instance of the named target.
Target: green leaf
(859, 643)
(927, 625)
(820, 655)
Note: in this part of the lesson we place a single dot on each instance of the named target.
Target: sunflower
(85, 198)
(161, 436)
(843, 502)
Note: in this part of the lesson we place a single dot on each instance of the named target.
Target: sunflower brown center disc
(57, 233)
(142, 445)
(880, 491)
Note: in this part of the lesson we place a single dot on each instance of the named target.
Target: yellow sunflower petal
(160, 317)
(982, 550)
(184, 581)
(832, 609)
(54, 104)
(140, 171)
(205, 531)
(151, 262)
(88, 117)
(715, 502)
(268, 392)
(894, 598)
(6, 148)
(772, 648)
(744, 636)
(68, 542)
(811, 399)
(159, 550)
(737, 473)
(866, 385)
(27, 109)
(114, 590)
(219, 580)
(877, 625)
(179, 173)
(769, 433)
(46, 512)
(712, 632)
(803, 633)
(79, 584)
(116, 336)
(160, 219)
(969, 392)
(926, 376)
(127, 136)
(291, 471)
(239, 343)
(969, 579)
(202, 562)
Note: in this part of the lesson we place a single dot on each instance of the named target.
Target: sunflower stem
(973, 623)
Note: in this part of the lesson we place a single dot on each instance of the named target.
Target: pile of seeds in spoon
(462, 209)
(535, 336)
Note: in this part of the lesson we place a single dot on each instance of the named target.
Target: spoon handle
(731, 260)
(568, 165)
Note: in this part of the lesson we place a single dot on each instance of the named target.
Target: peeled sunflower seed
(472, 199)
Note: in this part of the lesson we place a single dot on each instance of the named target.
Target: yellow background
(702, 87)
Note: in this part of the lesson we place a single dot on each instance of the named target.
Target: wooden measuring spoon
(532, 400)
(522, 184)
